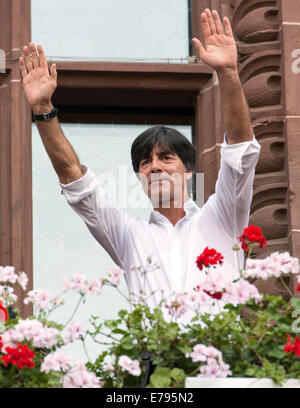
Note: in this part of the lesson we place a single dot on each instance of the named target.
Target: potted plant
(235, 335)
(30, 349)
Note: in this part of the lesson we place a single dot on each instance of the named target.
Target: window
(117, 29)
(62, 244)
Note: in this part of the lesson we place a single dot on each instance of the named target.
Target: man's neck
(174, 213)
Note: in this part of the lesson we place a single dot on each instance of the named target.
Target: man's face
(163, 177)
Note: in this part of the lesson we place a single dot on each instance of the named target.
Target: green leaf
(152, 335)
(158, 360)
(277, 352)
(120, 331)
(122, 313)
(92, 317)
(50, 323)
(177, 374)
(251, 372)
(184, 347)
(171, 331)
(135, 332)
(157, 314)
(153, 346)
(127, 343)
(161, 377)
(275, 300)
(274, 371)
(295, 366)
(110, 324)
(136, 318)
(295, 302)
(284, 328)
(109, 383)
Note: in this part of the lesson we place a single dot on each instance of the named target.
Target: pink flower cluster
(77, 282)
(198, 298)
(110, 363)
(214, 283)
(274, 265)
(43, 299)
(95, 287)
(132, 366)
(74, 332)
(114, 276)
(80, 377)
(219, 287)
(57, 361)
(33, 331)
(204, 295)
(240, 292)
(214, 367)
(178, 305)
(8, 275)
(7, 296)
(76, 377)
(80, 284)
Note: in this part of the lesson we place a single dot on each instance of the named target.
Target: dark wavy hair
(169, 140)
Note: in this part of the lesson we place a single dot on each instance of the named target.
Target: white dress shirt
(130, 240)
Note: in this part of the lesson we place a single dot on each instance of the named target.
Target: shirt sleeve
(234, 187)
(106, 222)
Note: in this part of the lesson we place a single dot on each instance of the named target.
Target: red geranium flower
(216, 295)
(289, 347)
(297, 347)
(3, 313)
(298, 287)
(21, 356)
(253, 235)
(209, 257)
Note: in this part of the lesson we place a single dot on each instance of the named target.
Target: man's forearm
(237, 120)
(63, 158)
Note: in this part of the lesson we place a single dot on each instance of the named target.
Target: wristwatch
(47, 115)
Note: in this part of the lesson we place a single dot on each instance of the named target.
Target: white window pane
(115, 29)
(62, 244)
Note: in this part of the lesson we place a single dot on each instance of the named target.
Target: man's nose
(156, 165)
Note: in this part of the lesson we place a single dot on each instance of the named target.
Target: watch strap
(47, 115)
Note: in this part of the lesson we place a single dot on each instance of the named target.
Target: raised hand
(39, 84)
(220, 50)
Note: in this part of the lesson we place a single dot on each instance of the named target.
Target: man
(179, 231)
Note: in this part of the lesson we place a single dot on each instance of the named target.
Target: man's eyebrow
(164, 152)
(161, 153)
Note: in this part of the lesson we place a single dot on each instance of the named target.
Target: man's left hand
(220, 50)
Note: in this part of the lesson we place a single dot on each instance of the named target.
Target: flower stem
(293, 374)
(101, 342)
(286, 287)
(76, 308)
(84, 348)
(122, 294)
(197, 370)
(258, 356)
(109, 336)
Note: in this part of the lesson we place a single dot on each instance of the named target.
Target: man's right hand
(39, 84)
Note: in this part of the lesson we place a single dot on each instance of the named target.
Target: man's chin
(160, 200)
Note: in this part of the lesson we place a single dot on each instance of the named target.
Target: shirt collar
(190, 208)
